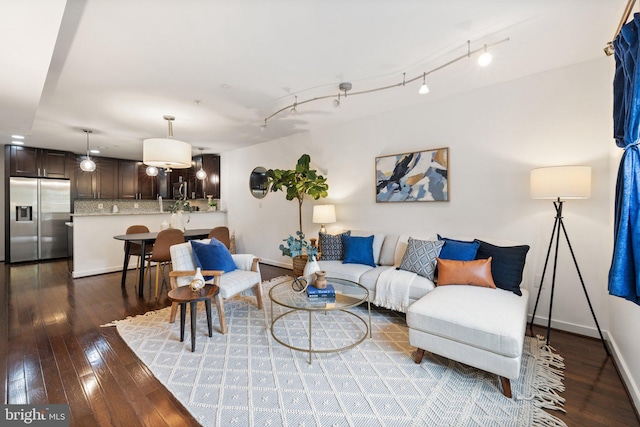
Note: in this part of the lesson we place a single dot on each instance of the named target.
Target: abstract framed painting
(422, 176)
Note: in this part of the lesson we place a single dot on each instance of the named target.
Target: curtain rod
(609, 49)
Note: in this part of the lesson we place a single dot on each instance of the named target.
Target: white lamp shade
(166, 153)
(564, 182)
(324, 214)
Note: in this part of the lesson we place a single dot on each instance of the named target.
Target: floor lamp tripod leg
(544, 271)
(584, 288)
(555, 268)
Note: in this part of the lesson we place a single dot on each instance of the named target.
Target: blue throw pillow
(458, 250)
(507, 264)
(358, 250)
(212, 256)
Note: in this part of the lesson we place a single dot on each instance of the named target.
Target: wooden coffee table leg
(194, 306)
(183, 316)
(207, 304)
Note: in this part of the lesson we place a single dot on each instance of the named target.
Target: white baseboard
(590, 331)
(276, 263)
(627, 378)
(623, 367)
(77, 274)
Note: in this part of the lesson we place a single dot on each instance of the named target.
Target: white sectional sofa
(479, 326)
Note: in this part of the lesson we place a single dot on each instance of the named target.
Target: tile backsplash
(128, 206)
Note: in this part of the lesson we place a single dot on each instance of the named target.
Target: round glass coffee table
(348, 295)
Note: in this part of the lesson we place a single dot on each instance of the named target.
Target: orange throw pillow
(476, 273)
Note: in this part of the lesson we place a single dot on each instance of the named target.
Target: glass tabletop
(348, 294)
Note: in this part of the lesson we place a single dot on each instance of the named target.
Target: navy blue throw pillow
(212, 256)
(358, 250)
(507, 264)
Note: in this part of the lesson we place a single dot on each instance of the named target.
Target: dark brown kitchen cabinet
(37, 162)
(148, 185)
(99, 184)
(107, 184)
(210, 186)
(128, 179)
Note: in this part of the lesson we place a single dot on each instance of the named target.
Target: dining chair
(161, 255)
(135, 249)
(222, 234)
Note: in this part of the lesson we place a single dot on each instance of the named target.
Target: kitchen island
(97, 252)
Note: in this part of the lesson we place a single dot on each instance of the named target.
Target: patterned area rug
(246, 378)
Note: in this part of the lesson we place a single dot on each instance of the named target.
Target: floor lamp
(561, 183)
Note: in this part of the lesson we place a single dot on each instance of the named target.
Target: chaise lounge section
(479, 324)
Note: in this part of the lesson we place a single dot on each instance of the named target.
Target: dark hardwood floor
(53, 350)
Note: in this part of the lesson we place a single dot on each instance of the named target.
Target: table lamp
(561, 183)
(324, 214)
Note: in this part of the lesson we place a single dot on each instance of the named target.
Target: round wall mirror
(258, 183)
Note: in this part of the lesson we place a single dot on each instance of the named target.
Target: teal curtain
(624, 274)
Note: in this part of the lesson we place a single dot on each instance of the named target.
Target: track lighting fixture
(424, 89)
(87, 164)
(483, 60)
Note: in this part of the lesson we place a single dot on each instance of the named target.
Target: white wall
(495, 136)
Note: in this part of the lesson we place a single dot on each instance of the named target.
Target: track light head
(485, 58)
(424, 89)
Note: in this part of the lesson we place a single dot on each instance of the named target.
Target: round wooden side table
(184, 295)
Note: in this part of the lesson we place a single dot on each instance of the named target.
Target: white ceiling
(220, 67)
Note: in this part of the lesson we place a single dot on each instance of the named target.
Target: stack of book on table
(324, 295)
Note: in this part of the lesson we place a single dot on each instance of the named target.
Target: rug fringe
(547, 384)
(130, 318)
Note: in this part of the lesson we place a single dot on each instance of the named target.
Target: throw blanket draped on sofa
(392, 289)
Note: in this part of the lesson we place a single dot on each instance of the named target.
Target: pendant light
(87, 164)
(201, 174)
(152, 171)
(166, 152)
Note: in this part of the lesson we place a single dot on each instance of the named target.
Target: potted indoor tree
(298, 183)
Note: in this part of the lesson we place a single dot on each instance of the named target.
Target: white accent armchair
(247, 276)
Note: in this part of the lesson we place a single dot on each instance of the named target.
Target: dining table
(149, 238)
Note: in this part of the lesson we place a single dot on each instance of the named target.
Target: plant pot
(310, 269)
(177, 221)
(298, 265)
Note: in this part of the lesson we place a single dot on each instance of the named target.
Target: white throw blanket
(392, 289)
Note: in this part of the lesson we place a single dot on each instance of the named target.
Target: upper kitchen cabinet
(128, 187)
(210, 186)
(99, 184)
(37, 162)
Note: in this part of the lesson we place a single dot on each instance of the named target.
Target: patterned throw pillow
(420, 257)
(332, 247)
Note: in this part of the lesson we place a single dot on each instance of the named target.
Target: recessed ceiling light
(225, 86)
(17, 142)
(17, 136)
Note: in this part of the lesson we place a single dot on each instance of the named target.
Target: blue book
(328, 292)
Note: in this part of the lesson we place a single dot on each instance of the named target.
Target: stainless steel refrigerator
(38, 210)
